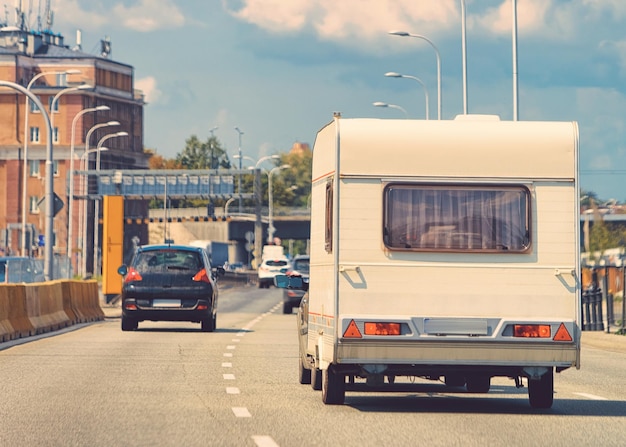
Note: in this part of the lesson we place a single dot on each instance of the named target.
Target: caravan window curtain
(474, 218)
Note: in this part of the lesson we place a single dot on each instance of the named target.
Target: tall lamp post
(25, 249)
(48, 269)
(392, 74)
(96, 203)
(70, 199)
(85, 189)
(270, 228)
(419, 36)
(240, 133)
(391, 106)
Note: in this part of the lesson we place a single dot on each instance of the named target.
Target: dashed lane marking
(232, 390)
(229, 377)
(228, 354)
(591, 396)
(264, 441)
(227, 365)
(241, 412)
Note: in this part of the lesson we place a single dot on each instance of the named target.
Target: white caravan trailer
(446, 250)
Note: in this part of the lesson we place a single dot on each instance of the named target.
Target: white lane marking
(232, 390)
(227, 365)
(241, 334)
(241, 412)
(591, 396)
(228, 354)
(236, 340)
(264, 441)
(230, 347)
(229, 376)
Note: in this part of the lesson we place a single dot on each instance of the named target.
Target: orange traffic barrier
(44, 305)
(18, 314)
(6, 329)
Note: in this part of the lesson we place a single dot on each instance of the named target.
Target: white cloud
(150, 15)
(348, 19)
(142, 15)
(148, 86)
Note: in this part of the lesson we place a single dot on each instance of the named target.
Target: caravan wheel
(333, 387)
(316, 379)
(541, 392)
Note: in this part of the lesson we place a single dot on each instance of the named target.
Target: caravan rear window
(472, 218)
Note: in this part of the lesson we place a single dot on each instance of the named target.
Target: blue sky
(278, 69)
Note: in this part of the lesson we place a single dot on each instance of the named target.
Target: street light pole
(391, 106)
(85, 188)
(240, 161)
(270, 228)
(25, 249)
(96, 204)
(48, 269)
(70, 199)
(464, 45)
(515, 74)
(392, 74)
(419, 36)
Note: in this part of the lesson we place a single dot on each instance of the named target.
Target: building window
(33, 106)
(55, 168)
(34, 135)
(34, 201)
(50, 105)
(457, 218)
(34, 168)
(55, 135)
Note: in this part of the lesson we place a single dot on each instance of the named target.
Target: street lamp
(270, 228)
(70, 199)
(83, 161)
(213, 129)
(392, 74)
(96, 203)
(84, 187)
(48, 269)
(258, 162)
(391, 106)
(25, 249)
(240, 132)
(419, 36)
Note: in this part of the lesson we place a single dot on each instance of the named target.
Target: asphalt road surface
(168, 384)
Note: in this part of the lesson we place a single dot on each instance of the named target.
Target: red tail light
(202, 276)
(132, 275)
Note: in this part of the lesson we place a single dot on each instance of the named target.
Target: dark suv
(169, 283)
(292, 297)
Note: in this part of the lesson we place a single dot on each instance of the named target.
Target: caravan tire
(316, 379)
(541, 392)
(333, 387)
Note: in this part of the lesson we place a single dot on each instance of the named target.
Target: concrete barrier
(6, 328)
(44, 305)
(30, 309)
(18, 312)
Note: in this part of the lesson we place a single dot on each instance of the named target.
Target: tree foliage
(203, 155)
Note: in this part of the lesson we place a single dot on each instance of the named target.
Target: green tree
(203, 155)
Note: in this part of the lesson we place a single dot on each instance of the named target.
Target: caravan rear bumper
(455, 353)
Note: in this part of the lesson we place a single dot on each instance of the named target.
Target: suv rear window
(163, 260)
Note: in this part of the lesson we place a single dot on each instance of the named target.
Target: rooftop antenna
(49, 16)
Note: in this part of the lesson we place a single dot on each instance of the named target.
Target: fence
(603, 295)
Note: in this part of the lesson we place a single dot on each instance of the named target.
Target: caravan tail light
(379, 328)
(531, 330)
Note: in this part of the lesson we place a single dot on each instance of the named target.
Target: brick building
(41, 62)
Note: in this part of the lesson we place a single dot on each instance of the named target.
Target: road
(168, 384)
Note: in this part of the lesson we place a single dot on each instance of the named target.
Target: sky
(278, 69)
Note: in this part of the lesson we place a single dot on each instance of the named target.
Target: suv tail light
(132, 275)
(202, 276)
